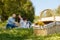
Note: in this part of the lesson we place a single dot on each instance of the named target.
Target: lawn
(23, 34)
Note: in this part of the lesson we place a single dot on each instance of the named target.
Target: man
(11, 21)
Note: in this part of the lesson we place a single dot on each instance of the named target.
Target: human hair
(12, 14)
(17, 18)
(24, 18)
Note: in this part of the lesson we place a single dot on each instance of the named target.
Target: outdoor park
(38, 24)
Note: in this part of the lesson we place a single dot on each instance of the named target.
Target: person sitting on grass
(23, 22)
(11, 22)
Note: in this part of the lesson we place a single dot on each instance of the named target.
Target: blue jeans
(10, 26)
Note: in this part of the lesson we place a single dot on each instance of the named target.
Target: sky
(40, 5)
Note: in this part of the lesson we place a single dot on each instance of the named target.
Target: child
(24, 23)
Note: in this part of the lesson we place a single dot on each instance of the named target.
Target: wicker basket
(47, 30)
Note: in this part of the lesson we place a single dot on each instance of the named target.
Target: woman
(19, 19)
(23, 22)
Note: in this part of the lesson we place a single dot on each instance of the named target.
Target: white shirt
(24, 24)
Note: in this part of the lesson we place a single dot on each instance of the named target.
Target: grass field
(23, 34)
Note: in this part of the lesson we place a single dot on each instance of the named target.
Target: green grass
(3, 24)
(15, 34)
(23, 34)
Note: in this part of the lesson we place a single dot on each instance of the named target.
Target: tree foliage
(23, 7)
(58, 11)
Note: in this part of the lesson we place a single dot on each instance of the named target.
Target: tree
(58, 11)
(23, 7)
